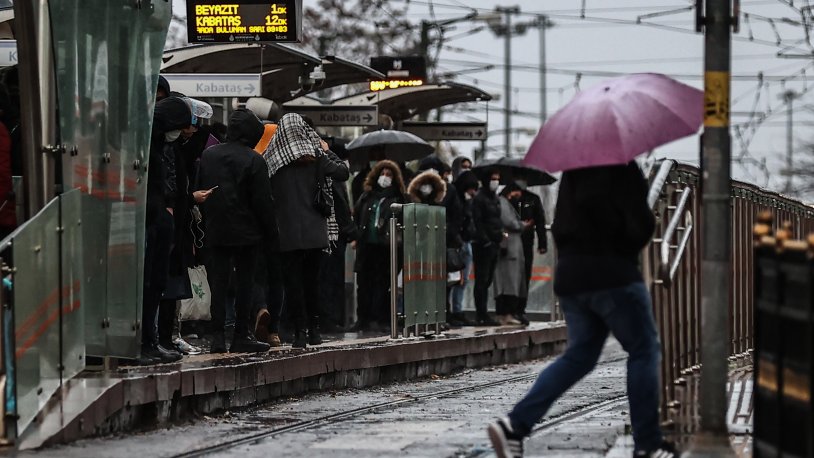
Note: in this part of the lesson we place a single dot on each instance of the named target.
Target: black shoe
(299, 340)
(665, 450)
(522, 318)
(248, 344)
(218, 343)
(145, 358)
(506, 442)
(487, 321)
(161, 354)
(314, 338)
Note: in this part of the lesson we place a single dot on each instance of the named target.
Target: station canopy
(404, 103)
(282, 68)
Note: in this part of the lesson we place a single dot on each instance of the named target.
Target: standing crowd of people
(266, 209)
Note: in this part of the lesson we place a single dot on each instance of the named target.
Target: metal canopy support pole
(542, 22)
(25, 25)
(789, 97)
(712, 439)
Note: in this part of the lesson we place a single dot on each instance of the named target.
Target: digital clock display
(244, 21)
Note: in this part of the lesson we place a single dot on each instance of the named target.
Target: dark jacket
(466, 181)
(240, 212)
(486, 215)
(602, 223)
(530, 207)
(347, 228)
(374, 193)
(302, 227)
(170, 114)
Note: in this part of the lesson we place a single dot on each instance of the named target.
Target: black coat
(602, 223)
(486, 216)
(170, 114)
(240, 212)
(530, 207)
(347, 228)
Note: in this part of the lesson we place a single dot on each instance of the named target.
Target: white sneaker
(505, 441)
(508, 320)
(186, 348)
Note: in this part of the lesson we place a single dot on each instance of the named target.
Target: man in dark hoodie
(239, 213)
(601, 225)
(486, 244)
(171, 116)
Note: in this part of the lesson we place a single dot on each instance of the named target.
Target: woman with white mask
(383, 187)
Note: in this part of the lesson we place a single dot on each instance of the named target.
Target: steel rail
(333, 418)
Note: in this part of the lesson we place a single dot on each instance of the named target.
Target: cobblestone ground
(451, 426)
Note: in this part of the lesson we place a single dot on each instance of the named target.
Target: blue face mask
(194, 120)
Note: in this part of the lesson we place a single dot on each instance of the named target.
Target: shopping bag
(198, 307)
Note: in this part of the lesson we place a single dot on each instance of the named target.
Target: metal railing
(422, 229)
(671, 266)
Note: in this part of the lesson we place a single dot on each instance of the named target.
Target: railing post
(394, 271)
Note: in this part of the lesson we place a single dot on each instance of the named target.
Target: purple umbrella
(616, 121)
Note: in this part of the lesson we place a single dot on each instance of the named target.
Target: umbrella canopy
(512, 168)
(395, 145)
(616, 121)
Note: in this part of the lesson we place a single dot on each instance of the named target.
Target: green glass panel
(108, 54)
(73, 322)
(410, 286)
(421, 260)
(440, 264)
(36, 292)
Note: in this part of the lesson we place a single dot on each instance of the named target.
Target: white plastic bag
(198, 307)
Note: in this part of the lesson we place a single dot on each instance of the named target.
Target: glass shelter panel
(37, 298)
(107, 56)
(73, 323)
(408, 281)
(439, 264)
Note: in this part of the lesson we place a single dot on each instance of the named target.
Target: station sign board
(202, 85)
(244, 21)
(431, 131)
(404, 71)
(8, 53)
(351, 115)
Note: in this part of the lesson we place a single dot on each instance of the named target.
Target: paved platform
(133, 398)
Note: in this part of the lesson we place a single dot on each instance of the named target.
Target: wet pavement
(451, 425)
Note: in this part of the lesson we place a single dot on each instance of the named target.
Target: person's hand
(542, 250)
(505, 235)
(323, 144)
(353, 245)
(170, 211)
(201, 196)
(528, 223)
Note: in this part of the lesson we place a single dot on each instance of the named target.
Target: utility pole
(716, 263)
(789, 97)
(542, 24)
(507, 77)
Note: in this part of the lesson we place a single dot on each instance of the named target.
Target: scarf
(293, 140)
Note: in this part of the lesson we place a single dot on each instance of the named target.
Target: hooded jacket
(486, 215)
(170, 114)
(439, 188)
(456, 166)
(240, 212)
(363, 210)
(601, 225)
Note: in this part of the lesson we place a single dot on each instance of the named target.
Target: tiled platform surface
(97, 403)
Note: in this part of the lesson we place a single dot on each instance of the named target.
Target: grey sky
(609, 40)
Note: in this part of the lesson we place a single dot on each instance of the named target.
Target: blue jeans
(457, 293)
(626, 312)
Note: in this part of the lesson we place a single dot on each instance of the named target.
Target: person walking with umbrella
(602, 222)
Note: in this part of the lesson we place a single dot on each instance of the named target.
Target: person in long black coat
(486, 244)
(239, 213)
(298, 162)
(531, 209)
(383, 187)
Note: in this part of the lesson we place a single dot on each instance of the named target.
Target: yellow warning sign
(716, 99)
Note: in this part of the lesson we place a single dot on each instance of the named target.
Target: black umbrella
(395, 145)
(512, 168)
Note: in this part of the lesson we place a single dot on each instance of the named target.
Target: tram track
(347, 414)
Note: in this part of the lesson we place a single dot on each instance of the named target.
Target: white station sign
(202, 85)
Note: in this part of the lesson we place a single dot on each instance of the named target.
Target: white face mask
(493, 185)
(449, 179)
(385, 181)
(425, 189)
(172, 135)
(468, 196)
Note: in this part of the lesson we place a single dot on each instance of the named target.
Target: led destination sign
(242, 21)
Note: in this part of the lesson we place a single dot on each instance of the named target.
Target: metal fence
(423, 268)
(672, 262)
